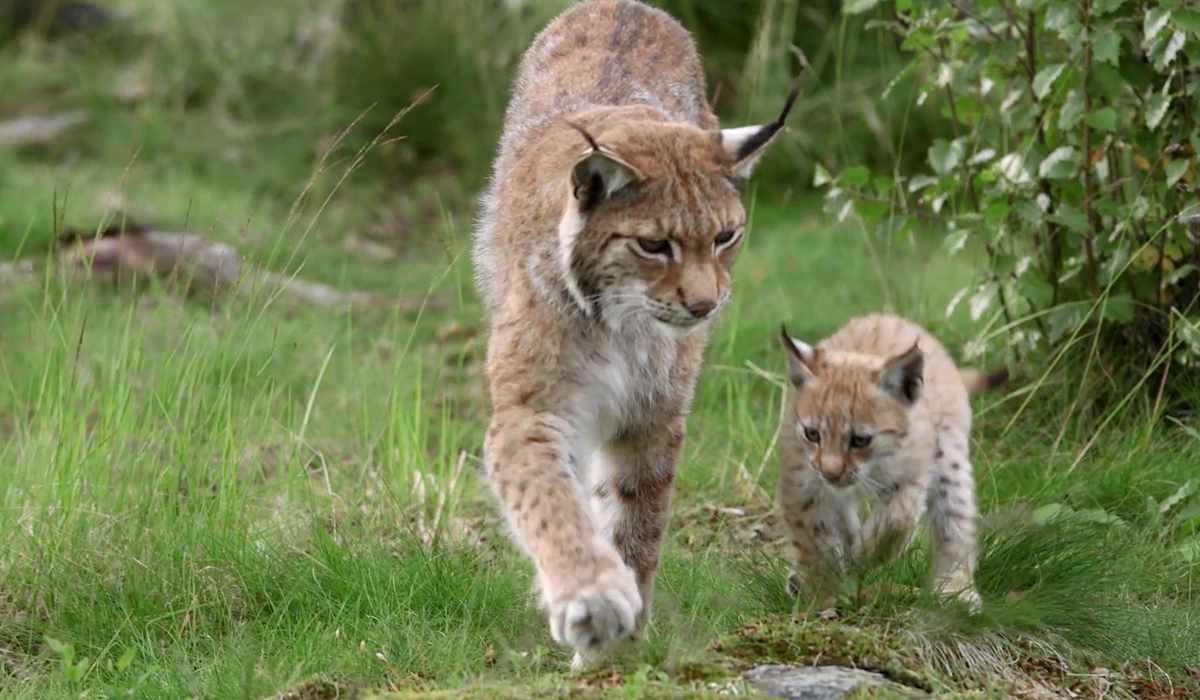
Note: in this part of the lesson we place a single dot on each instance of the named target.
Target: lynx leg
(952, 525)
(591, 596)
(819, 529)
(893, 521)
(633, 485)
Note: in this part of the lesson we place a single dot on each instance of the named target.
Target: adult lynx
(602, 253)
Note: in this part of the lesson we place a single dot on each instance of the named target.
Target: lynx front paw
(598, 614)
(963, 593)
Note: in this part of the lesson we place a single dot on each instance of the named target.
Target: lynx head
(849, 412)
(654, 219)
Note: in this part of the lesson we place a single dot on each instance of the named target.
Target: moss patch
(803, 641)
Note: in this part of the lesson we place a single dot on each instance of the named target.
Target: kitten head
(654, 219)
(849, 412)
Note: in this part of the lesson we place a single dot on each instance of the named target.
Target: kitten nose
(701, 308)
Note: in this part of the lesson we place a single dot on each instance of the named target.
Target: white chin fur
(675, 331)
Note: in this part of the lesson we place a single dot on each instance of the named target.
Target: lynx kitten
(602, 254)
(878, 409)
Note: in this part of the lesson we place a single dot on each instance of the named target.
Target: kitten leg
(893, 521)
(952, 524)
(590, 594)
(633, 480)
(819, 526)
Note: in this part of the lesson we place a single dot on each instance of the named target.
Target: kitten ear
(599, 173)
(903, 375)
(745, 145)
(801, 359)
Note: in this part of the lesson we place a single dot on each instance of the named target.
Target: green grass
(256, 497)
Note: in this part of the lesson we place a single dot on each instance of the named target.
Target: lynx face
(850, 413)
(639, 239)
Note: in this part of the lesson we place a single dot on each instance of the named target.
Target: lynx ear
(745, 145)
(903, 375)
(599, 173)
(801, 358)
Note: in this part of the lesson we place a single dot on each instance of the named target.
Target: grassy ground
(230, 503)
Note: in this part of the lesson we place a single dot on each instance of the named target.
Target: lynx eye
(724, 238)
(859, 442)
(812, 435)
(654, 246)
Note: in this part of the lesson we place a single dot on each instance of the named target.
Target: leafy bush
(753, 49)
(1072, 165)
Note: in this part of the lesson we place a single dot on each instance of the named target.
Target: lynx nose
(702, 308)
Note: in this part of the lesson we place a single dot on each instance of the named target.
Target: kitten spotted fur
(602, 253)
(878, 410)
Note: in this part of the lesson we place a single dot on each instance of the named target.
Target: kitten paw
(597, 615)
(798, 586)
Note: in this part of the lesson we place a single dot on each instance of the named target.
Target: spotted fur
(602, 253)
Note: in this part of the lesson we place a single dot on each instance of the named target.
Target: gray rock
(820, 682)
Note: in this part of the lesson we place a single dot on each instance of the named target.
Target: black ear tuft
(764, 135)
(599, 173)
(800, 359)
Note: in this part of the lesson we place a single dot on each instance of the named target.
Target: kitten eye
(859, 442)
(724, 238)
(812, 435)
(655, 246)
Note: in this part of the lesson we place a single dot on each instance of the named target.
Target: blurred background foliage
(362, 62)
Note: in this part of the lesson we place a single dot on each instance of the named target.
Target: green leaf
(126, 658)
(920, 182)
(1176, 498)
(854, 7)
(1107, 47)
(1156, 110)
(945, 156)
(1175, 170)
(871, 212)
(1176, 275)
(821, 176)
(1057, 511)
(1156, 20)
(1045, 79)
(854, 177)
(60, 648)
(1059, 165)
(1104, 7)
(1171, 50)
(1139, 74)
(1072, 110)
(984, 156)
(1071, 217)
(1106, 81)
(1048, 512)
(1118, 308)
(1189, 549)
(1104, 119)
(1012, 167)
(1187, 20)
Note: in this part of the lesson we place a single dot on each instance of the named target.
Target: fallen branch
(188, 263)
